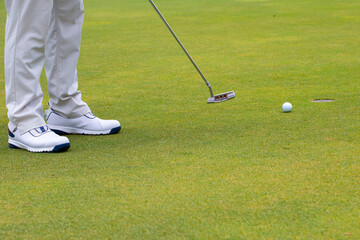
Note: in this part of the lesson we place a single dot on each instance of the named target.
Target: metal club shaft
(182, 46)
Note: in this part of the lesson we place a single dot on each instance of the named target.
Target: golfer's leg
(62, 53)
(26, 30)
(68, 113)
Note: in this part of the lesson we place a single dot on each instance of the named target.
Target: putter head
(221, 97)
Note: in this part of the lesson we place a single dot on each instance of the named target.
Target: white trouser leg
(26, 30)
(62, 53)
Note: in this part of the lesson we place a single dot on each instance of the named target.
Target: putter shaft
(183, 48)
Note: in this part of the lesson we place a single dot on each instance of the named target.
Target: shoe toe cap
(49, 140)
(110, 124)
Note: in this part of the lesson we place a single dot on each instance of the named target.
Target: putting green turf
(183, 169)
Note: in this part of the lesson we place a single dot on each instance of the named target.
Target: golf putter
(213, 98)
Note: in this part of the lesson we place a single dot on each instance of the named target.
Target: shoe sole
(67, 130)
(56, 149)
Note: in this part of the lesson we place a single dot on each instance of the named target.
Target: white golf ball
(287, 107)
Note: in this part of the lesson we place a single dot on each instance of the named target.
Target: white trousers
(42, 32)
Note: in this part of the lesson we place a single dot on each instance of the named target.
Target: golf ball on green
(286, 107)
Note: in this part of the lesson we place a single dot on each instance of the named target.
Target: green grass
(182, 169)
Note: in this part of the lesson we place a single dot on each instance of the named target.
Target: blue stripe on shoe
(115, 130)
(59, 132)
(13, 146)
(61, 147)
(11, 134)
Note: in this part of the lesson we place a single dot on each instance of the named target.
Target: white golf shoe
(40, 139)
(87, 124)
